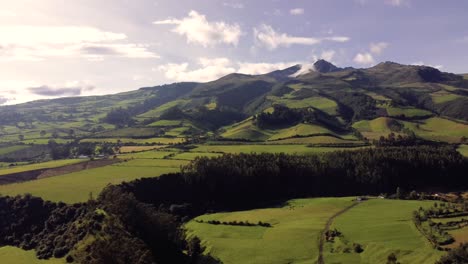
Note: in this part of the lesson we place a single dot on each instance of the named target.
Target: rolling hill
(344, 103)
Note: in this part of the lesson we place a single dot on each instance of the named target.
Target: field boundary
(320, 259)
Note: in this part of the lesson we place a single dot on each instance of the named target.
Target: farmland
(387, 223)
(299, 222)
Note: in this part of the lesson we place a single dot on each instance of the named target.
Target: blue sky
(53, 48)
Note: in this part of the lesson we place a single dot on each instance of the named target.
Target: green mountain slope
(329, 101)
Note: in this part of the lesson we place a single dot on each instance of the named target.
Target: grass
(246, 130)
(373, 129)
(460, 236)
(315, 140)
(292, 239)
(299, 130)
(193, 155)
(13, 255)
(407, 112)
(383, 227)
(14, 148)
(463, 149)
(443, 96)
(165, 123)
(76, 187)
(127, 149)
(257, 148)
(37, 166)
(439, 129)
(157, 140)
(321, 103)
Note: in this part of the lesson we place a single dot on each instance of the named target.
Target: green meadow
(77, 186)
(293, 237)
(37, 166)
(382, 227)
(14, 255)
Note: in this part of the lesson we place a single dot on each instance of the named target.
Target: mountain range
(338, 104)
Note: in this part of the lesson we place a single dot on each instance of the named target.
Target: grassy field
(299, 130)
(407, 111)
(246, 130)
(382, 227)
(443, 96)
(460, 236)
(247, 148)
(127, 149)
(315, 140)
(321, 103)
(439, 129)
(293, 237)
(157, 140)
(37, 166)
(76, 187)
(13, 255)
(14, 148)
(463, 149)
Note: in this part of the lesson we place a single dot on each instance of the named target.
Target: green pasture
(293, 237)
(382, 227)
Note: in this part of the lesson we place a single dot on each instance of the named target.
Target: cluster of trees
(280, 117)
(249, 180)
(235, 223)
(116, 227)
(76, 148)
(455, 256)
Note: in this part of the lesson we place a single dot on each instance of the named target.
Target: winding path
(327, 227)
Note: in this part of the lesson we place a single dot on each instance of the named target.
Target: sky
(56, 48)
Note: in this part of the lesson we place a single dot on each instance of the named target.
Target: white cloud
(296, 11)
(16, 91)
(266, 36)
(262, 68)
(208, 70)
(378, 48)
(234, 5)
(421, 63)
(35, 43)
(364, 58)
(197, 29)
(397, 2)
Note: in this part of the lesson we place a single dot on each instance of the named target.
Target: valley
(243, 169)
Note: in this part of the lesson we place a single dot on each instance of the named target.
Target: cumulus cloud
(69, 89)
(378, 48)
(364, 58)
(197, 29)
(209, 69)
(266, 36)
(296, 11)
(35, 43)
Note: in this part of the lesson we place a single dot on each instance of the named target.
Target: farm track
(320, 259)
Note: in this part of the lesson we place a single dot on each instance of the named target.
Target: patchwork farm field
(293, 237)
(77, 186)
(258, 148)
(380, 226)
